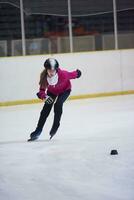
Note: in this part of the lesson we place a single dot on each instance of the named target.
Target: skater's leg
(43, 116)
(42, 119)
(58, 109)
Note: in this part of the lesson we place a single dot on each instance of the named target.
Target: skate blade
(31, 140)
(51, 137)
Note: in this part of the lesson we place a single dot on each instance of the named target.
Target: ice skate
(34, 136)
(54, 130)
(32, 139)
(52, 134)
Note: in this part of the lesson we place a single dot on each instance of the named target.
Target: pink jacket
(63, 84)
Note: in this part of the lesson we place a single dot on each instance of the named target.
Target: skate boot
(54, 130)
(52, 133)
(34, 135)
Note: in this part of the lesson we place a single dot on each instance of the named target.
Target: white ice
(76, 164)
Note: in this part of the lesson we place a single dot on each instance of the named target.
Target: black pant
(58, 109)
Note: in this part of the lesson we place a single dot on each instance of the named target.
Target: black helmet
(51, 63)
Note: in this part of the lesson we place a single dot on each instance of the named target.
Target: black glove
(49, 100)
(78, 73)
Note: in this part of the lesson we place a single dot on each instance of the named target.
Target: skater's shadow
(21, 142)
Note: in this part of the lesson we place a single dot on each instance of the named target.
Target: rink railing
(34, 101)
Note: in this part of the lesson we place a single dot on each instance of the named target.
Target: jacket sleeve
(42, 93)
(72, 75)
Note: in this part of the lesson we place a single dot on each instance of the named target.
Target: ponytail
(43, 79)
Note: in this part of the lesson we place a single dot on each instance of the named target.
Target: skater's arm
(42, 93)
(73, 74)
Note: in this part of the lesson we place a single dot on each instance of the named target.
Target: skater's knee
(58, 107)
(58, 104)
(45, 111)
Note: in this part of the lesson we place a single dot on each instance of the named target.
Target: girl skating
(55, 88)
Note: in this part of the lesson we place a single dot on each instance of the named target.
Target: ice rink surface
(76, 164)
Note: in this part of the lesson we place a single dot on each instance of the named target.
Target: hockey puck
(114, 152)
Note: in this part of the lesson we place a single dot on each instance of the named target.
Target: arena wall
(104, 73)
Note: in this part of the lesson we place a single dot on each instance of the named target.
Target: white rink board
(103, 71)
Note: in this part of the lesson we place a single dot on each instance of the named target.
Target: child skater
(55, 88)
